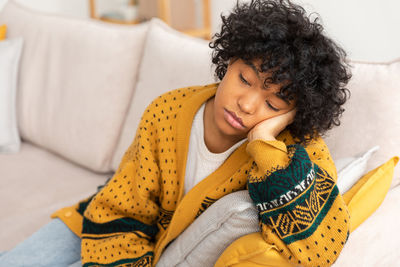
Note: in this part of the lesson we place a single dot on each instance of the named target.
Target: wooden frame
(164, 13)
(94, 15)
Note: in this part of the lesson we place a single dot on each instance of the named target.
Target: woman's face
(242, 100)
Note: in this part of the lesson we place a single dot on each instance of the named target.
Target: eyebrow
(251, 65)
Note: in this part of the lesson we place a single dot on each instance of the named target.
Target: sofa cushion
(35, 183)
(10, 53)
(76, 80)
(372, 115)
(376, 241)
(170, 60)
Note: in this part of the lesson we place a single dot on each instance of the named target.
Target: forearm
(300, 208)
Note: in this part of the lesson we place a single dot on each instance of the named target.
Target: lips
(233, 120)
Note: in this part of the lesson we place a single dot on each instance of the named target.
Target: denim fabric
(52, 245)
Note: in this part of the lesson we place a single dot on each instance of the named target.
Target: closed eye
(243, 79)
(273, 108)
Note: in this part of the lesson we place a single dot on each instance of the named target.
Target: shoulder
(320, 155)
(316, 149)
(171, 101)
(315, 144)
(182, 94)
(163, 111)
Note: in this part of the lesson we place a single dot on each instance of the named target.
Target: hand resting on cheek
(270, 128)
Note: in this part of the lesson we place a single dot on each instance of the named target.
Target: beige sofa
(82, 88)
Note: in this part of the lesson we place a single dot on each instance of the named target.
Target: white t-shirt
(200, 161)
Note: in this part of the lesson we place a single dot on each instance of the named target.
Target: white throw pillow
(351, 169)
(10, 53)
(212, 232)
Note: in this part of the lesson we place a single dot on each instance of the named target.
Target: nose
(248, 102)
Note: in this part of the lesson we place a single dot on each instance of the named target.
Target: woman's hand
(270, 128)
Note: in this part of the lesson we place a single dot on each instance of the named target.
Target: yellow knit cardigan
(141, 209)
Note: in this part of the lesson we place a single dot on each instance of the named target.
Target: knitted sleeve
(120, 222)
(300, 209)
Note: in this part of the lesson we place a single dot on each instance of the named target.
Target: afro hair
(296, 53)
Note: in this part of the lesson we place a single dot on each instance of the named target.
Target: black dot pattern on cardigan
(145, 183)
(121, 247)
(152, 163)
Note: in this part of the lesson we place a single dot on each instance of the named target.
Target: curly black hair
(294, 50)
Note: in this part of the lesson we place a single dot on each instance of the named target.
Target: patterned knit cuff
(282, 186)
(268, 155)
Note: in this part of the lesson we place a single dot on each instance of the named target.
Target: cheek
(219, 111)
(222, 93)
(221, 101)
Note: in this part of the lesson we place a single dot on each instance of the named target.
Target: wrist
(255, 135)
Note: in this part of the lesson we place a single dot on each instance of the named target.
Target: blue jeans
(52, 245)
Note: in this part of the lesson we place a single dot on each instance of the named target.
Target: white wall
(367, 30)
(77, 8)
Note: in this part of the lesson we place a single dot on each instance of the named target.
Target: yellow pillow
(362, 200)
(3, 31)
(251, 251)
(368, 193)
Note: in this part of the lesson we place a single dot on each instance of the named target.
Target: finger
(294, 110)
(291, 115)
